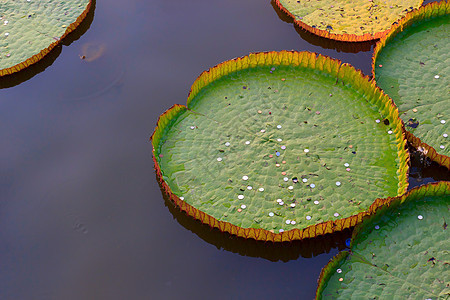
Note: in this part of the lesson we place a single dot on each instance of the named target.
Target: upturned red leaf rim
(344, 73)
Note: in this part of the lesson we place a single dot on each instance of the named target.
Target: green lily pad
(281, 142)
(412, 65)
(350, 21)
(29, 29)
(401, 252)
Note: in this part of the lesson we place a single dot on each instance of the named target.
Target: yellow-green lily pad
(350, 21)
(30, 29)
(401, 252)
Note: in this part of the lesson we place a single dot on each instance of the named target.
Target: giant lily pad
(30, 29)
(281, 146)
(401, 252)
(350, 21)
(412, 65)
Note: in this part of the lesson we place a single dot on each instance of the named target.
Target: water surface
(81, 213)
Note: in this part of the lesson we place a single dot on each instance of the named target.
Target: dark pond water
(81, 213)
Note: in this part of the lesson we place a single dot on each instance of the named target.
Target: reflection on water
(423, 170)
(92, 51)
(25, 74)
(81, 214)
(248, 247)
(323, 42)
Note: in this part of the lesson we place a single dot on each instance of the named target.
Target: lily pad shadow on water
(348, 47)
(271, 251)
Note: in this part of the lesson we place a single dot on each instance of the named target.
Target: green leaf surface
(413, 68)
(29, 26)
(366, 19)
(401, 252)
(280, 147)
